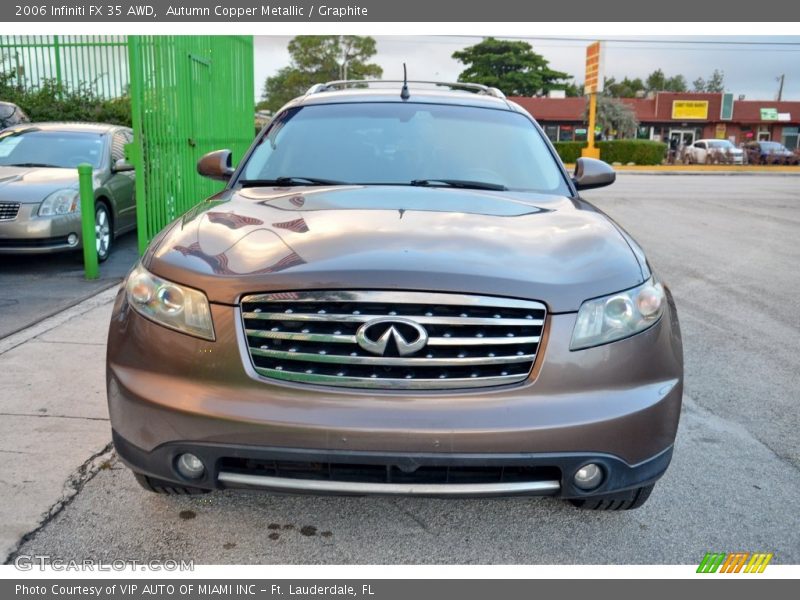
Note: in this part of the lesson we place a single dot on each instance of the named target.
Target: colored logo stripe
(758, 561)
(734, 562)
(711, 562)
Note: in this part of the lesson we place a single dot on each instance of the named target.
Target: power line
(655, 40)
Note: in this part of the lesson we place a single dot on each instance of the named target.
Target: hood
(31, 185)
(546, 248)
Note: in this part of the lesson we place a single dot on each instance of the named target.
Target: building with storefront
(687, 116)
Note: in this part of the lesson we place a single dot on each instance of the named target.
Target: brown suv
(397, 293)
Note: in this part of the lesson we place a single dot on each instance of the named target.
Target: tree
(715, 83)
(320, 58)
(614, 115)
(627, 88)
(658, 82)
(512, 67)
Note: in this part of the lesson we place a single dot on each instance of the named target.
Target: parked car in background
(399, 291)
(39, 199)
(712, 151)
(11, 114)
(770, 153)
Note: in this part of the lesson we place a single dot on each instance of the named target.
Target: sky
(751, 70)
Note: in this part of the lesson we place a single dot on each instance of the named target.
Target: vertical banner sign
(592, 85)
(594, 68)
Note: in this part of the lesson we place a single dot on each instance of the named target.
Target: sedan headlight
(618, 316)
(169, 304)
(61, 202)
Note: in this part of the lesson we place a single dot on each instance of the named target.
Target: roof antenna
(404, 93)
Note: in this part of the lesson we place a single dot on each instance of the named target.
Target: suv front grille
(392, 340)
(8, 211)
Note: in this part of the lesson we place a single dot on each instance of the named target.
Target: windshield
(722, 144)
(392, 143)
(772, 146)
(41, 148)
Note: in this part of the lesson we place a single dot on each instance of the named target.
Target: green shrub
(53, 102)
(569, 151)
(640, 152)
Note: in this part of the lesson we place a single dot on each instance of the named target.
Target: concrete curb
(20, 337)
(712, 173)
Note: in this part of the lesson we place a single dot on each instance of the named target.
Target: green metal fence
(97, 62)
(189, 95)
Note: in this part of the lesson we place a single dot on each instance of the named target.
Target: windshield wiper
(289, 181)
(459, 183)
(31, 164)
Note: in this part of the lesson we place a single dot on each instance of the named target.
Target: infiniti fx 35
(397, 293)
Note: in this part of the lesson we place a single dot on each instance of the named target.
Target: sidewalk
(54, 431)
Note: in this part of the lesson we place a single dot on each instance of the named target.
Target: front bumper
(29, 233)
(616, 404)
(551, 473)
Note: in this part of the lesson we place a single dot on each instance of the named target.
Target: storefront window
(643, 132)
(566, 133)
(791, 137)
(551, 131)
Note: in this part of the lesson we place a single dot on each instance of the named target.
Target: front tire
(104, 233)
(627, 500)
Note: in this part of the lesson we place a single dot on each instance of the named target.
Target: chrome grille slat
(400, 384)
(302, 337)
(317, 337)
(483, 341)
(422, 319)
(351, 339)
(9, 211)
(384, 360)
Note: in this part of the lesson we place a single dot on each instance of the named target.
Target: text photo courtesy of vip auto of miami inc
(396, 299)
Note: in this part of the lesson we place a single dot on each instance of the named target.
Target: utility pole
(780, 88)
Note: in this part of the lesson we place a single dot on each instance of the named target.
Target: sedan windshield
(405, 144)
(48, 148)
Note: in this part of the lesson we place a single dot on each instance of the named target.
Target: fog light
(589, 476)
(72, 239)
(190, 466)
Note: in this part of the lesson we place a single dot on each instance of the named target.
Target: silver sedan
(39, 198)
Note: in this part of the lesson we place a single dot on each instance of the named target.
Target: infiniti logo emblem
(409, 336)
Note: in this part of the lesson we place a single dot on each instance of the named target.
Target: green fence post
(57, 54)
(136, 86)
(89, 235)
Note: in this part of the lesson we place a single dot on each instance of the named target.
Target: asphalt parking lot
(727, 246)
(39, 285)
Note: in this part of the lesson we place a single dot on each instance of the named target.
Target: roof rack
(343, 84)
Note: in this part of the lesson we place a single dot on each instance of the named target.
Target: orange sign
(594, 68)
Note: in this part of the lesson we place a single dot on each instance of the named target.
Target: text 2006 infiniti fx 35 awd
(397, 293)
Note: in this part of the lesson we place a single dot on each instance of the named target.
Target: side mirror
(592, 173)
(216, 165)
(121, 165)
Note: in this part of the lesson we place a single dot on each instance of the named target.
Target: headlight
(61, 202)
(169, 304)
(618, 316)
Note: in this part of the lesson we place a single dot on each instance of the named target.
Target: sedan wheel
(102, 228)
